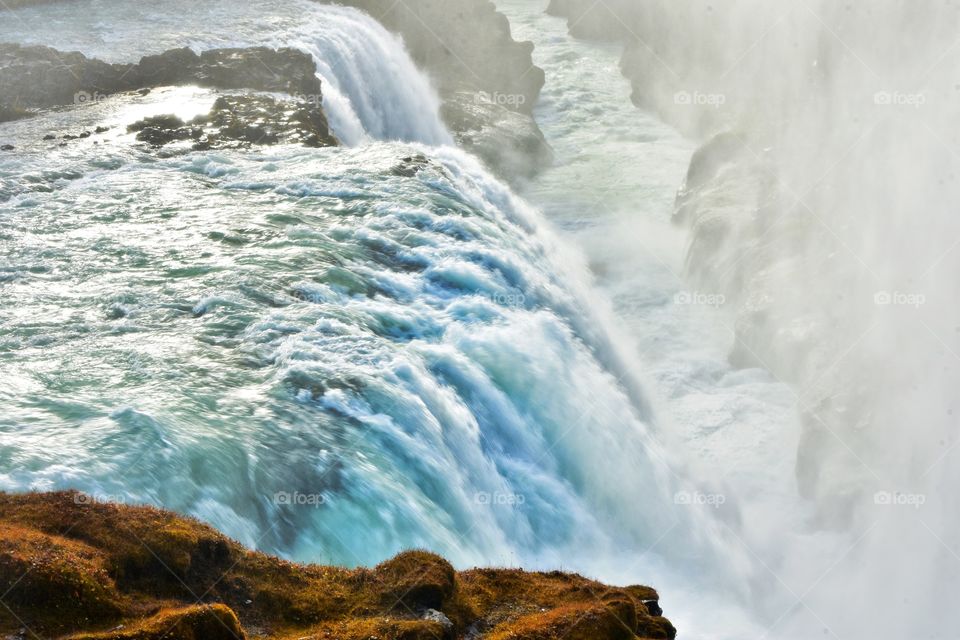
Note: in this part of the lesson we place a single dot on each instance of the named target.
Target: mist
(825, 210)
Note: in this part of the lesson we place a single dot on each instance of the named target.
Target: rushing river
(333, 360)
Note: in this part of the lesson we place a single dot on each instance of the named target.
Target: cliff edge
(71, 567)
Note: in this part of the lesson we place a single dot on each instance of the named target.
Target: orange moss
(110, 572)
(381, 628)
(582, 621)
(55, 577)
(213, 622)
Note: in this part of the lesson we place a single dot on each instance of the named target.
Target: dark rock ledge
(75, 568)
(239, 121)
(35, 77)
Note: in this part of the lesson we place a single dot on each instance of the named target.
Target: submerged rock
(71, 566)
(411, 166)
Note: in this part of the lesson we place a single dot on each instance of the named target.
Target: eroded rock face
(487, 80)
(33, 77)
(607, 21)
(465, 45)
(509, 141)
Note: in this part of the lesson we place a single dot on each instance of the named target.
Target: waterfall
(417, 356)
(371, 87)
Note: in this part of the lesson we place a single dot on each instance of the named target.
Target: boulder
(416, 580)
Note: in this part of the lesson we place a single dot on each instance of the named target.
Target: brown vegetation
(73, 568)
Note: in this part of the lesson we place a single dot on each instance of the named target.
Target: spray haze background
(825, 212)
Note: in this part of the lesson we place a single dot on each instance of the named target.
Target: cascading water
(371, 87)
(416, 357)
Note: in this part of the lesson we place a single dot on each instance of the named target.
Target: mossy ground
(73, 568)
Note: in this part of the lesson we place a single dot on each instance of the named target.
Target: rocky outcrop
(242, 121)
(74, 568)
(487, 81)
(33, 77)
(608, 21)
(505, 139)
(465, 46)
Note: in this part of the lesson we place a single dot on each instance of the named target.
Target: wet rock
(487, 80)
(606, 21)
(509, 142)
(477, 53)
(49, 136)
(411, 166)
(7, 147)
(241, 120)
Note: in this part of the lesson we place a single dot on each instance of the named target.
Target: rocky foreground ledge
(74, 568)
